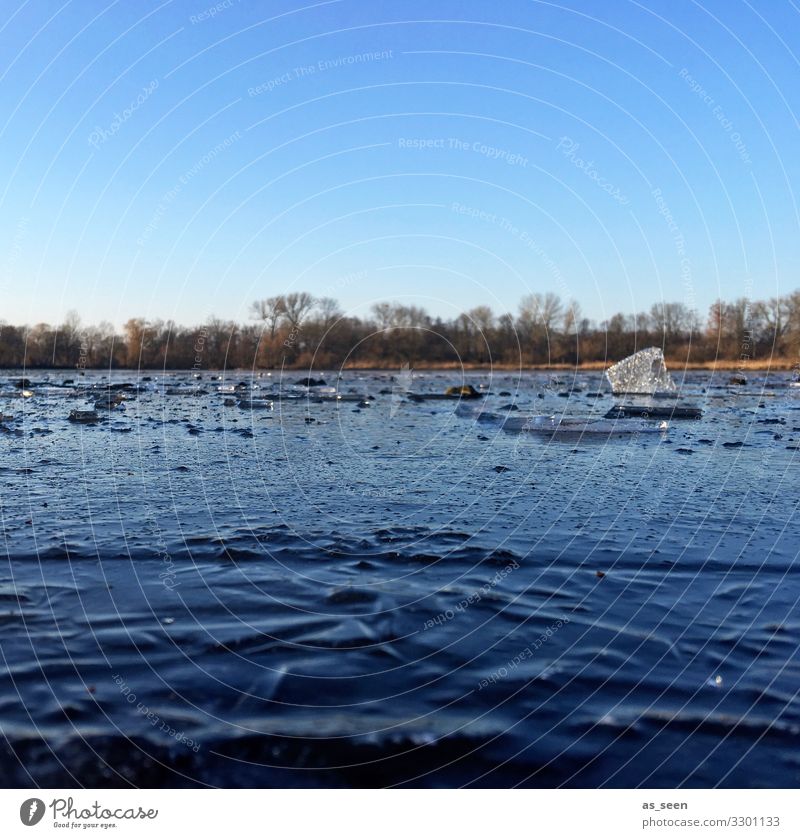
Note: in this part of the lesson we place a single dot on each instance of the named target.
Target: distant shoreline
(775, 365)
(772, 365)
(299, 331)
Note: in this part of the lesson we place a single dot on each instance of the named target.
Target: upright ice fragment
(642, 373)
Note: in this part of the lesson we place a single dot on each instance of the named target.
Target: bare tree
(572, 318)
(297, 329)
(728, 326)
(672, 320)
(770, 321)
(539, 315)
(544, 309)
(383, 315)
(270, 311)
(297, 305)
(329, 311)
(482, 317)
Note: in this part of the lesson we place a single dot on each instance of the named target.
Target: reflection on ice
(578, 426)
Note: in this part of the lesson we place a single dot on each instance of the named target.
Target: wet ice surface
(198, 594)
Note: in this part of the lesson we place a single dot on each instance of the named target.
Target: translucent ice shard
(644, 372)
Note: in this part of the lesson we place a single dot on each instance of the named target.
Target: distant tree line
(298, 330)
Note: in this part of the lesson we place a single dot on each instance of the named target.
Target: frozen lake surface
(390, 593)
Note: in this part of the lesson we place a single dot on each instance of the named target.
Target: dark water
(195, 594)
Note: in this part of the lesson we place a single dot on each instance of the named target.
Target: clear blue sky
(178, 159)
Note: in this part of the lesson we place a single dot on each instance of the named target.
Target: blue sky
(181, 159)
